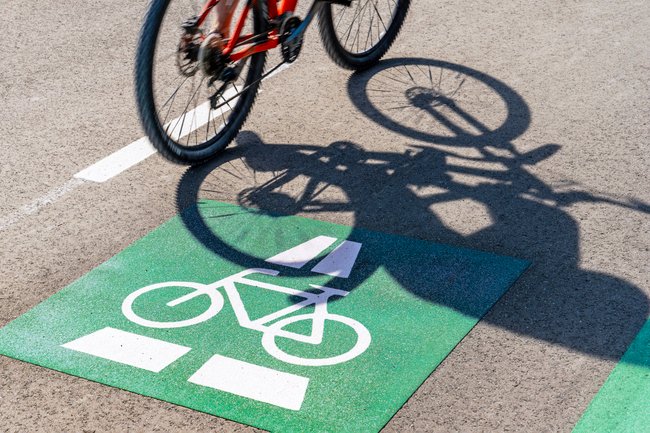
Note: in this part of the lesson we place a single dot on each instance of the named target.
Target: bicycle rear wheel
(190, 112)
(357, 36)
(362, 343)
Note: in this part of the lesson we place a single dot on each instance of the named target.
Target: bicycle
(271, 325)
(356, 34)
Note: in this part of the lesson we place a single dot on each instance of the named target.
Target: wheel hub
(211, 56)
(422, 97)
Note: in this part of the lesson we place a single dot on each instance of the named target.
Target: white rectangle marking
(252, 381)
(130, 349)
(339, 262)
(298, 256)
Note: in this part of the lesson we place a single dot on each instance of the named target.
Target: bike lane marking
(342, 354)
(622, 405)
(35, 205)
(252, 381)
(117, 162)
(99, 172)
(128, 348)
(299, 255)
(141, 149)
(339, 262)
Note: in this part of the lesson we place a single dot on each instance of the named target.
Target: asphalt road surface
(543, 155)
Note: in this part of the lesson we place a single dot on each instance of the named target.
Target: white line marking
(36, 205)
(339, 262)
(118, 162)
(141, 149)
(277, 71)
(130, 349)
(252, 381)
(106, 168)
(200, 116)
(298, 256)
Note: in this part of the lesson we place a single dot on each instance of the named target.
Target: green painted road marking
(623, 403)
(310, 327)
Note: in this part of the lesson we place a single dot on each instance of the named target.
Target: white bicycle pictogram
(269, 330)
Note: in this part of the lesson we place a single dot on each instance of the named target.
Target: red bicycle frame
(276, 8)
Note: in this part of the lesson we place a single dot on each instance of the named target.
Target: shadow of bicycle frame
(402, 191)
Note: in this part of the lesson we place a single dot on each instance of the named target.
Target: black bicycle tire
(370, 57)
(166, 146)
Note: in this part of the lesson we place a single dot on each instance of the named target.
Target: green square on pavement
(622, 405)
(280, 322)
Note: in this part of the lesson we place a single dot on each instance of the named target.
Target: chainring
(290, 48)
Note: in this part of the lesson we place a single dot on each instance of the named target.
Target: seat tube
(285, 5)
(272, 8)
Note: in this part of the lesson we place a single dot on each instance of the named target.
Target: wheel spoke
(365, 26)
(181, 108)
(182, 118)
(341, 17)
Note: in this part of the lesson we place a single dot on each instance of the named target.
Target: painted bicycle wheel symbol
(271, 331)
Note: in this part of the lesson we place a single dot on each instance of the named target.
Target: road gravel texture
(539, 151)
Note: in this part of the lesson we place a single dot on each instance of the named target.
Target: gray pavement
(552, 168)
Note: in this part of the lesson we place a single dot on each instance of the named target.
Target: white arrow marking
(298, 256)
(339, 262)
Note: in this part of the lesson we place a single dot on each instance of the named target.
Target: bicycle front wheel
(153, 297)
(357, 36)
(192, 102)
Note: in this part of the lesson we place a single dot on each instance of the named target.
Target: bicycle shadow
(458, 159)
